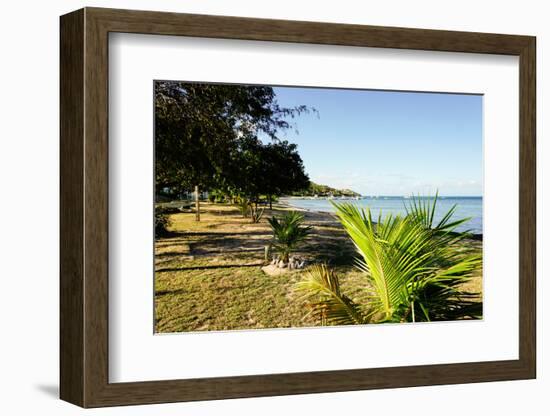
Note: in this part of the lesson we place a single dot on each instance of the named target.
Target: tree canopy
(313, 189)
(205, 132)
(268, 169)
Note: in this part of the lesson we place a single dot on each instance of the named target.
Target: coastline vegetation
(315, 189)
(208, 137)
(230, 255)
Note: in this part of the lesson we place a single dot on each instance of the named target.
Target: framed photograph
(256, 207)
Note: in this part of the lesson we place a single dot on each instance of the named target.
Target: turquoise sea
(471, 207)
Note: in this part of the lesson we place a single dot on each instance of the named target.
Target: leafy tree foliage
(266, 169)
(324, 190)
(285, 170)
(199, 129)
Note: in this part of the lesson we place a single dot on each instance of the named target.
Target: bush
(162, 221)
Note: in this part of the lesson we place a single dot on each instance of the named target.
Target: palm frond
(413, 267)
(288, 232)
(423, 211)
(320, 290)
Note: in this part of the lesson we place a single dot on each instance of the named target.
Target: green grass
(230, 298)
(208, 274)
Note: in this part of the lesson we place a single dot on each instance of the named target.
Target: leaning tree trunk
(197, 205)
(270, 203)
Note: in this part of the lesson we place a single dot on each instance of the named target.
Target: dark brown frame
(84, 208)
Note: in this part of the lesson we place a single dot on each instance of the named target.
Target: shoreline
(283, 201)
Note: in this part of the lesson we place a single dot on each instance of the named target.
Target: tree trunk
(270, 203)
(197, 204)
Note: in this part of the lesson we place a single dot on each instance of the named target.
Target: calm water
(466, 207)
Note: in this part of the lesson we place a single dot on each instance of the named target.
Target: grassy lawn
(208, 273)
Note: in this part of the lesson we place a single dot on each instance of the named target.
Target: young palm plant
(413, 267)
(288, 233)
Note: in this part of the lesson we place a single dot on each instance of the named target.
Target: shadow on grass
(173, 254)
(169, 236)
(171, 292)
(224, 212)
(221, 266)
(177, 292)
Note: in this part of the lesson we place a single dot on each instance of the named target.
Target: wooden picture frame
(84, 207)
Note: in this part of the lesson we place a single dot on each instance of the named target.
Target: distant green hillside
(324, 190)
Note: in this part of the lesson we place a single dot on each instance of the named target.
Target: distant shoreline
(379, 197)
(285, 202)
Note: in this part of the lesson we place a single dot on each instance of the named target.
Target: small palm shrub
(288, 233)
(412, 265)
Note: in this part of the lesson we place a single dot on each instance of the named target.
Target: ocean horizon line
(466, 206)
(390, 196)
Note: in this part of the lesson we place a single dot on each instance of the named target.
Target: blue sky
(389, 143)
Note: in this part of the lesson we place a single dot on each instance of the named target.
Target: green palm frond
(392, 251)
(423, 210)
(413, 266)
(288, 232)
(320, 290)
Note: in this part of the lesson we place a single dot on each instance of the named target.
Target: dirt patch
(272, 270)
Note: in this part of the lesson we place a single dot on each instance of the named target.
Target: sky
(387, 142)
